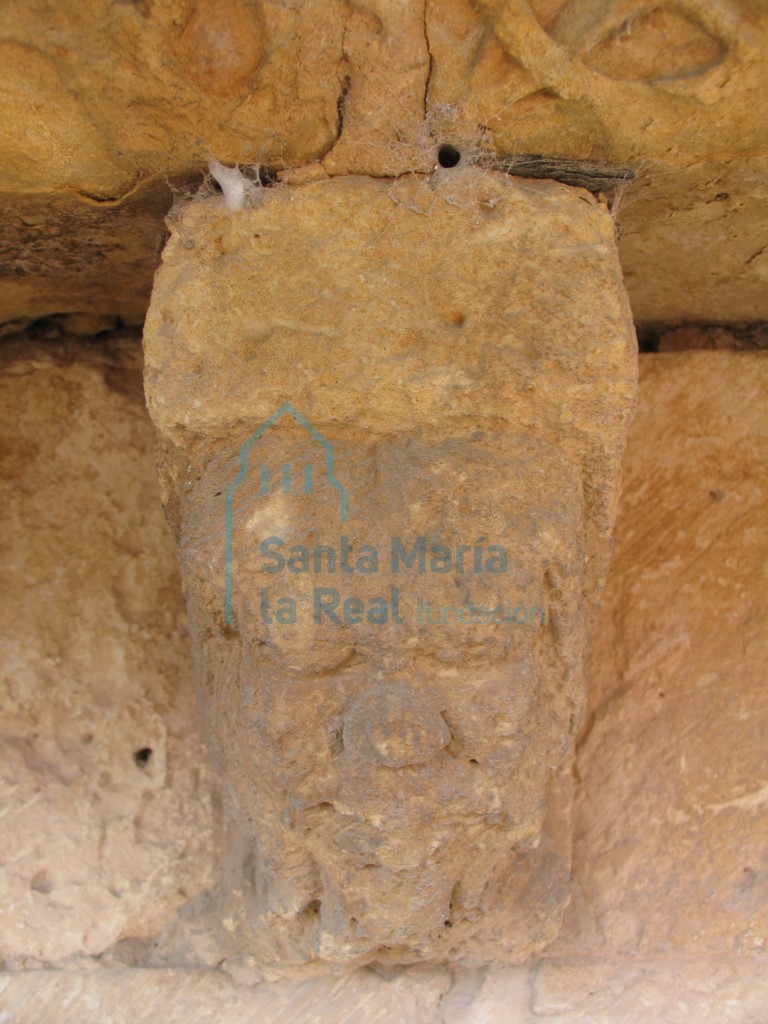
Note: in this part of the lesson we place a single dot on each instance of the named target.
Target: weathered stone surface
(693, 241)
(388, 770)
(211, 997)
(140, 90)
(674, 989)
(672, 822)
(595, 77)
(678, 990)
(109, 807)
(735, 338)
(78, 257)
(650, 946)
(675, 91)
(102, 106)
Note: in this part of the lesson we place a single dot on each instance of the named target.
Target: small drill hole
(141, 757)
(448, 156)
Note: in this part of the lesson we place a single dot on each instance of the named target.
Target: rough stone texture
(389, 778)
(737, 338)
(677, 947)
(677, 990)
(602, 73)
(211, 997)
(77, 257)
(108, 806)
(672, 820)
(675, 90)
(103, 105)
(98, 98)
(693, 241)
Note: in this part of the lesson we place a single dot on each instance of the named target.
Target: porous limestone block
(104, 106)
(675, 989)
(672, 822)
(674, 91)
(108, 803)
(391, 418)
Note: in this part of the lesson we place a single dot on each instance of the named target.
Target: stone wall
(673, 94)
(431, 224)
(110, 808)
(668, 920)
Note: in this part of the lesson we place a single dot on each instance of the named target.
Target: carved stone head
(391, 443)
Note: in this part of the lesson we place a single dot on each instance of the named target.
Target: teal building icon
(292, 479)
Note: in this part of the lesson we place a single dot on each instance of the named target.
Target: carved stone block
(391, 417)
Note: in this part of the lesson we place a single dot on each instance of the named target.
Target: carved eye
(652, 43)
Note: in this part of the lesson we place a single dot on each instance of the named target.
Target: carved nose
(393, 726)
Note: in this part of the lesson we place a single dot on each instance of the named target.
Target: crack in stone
(431, 61)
